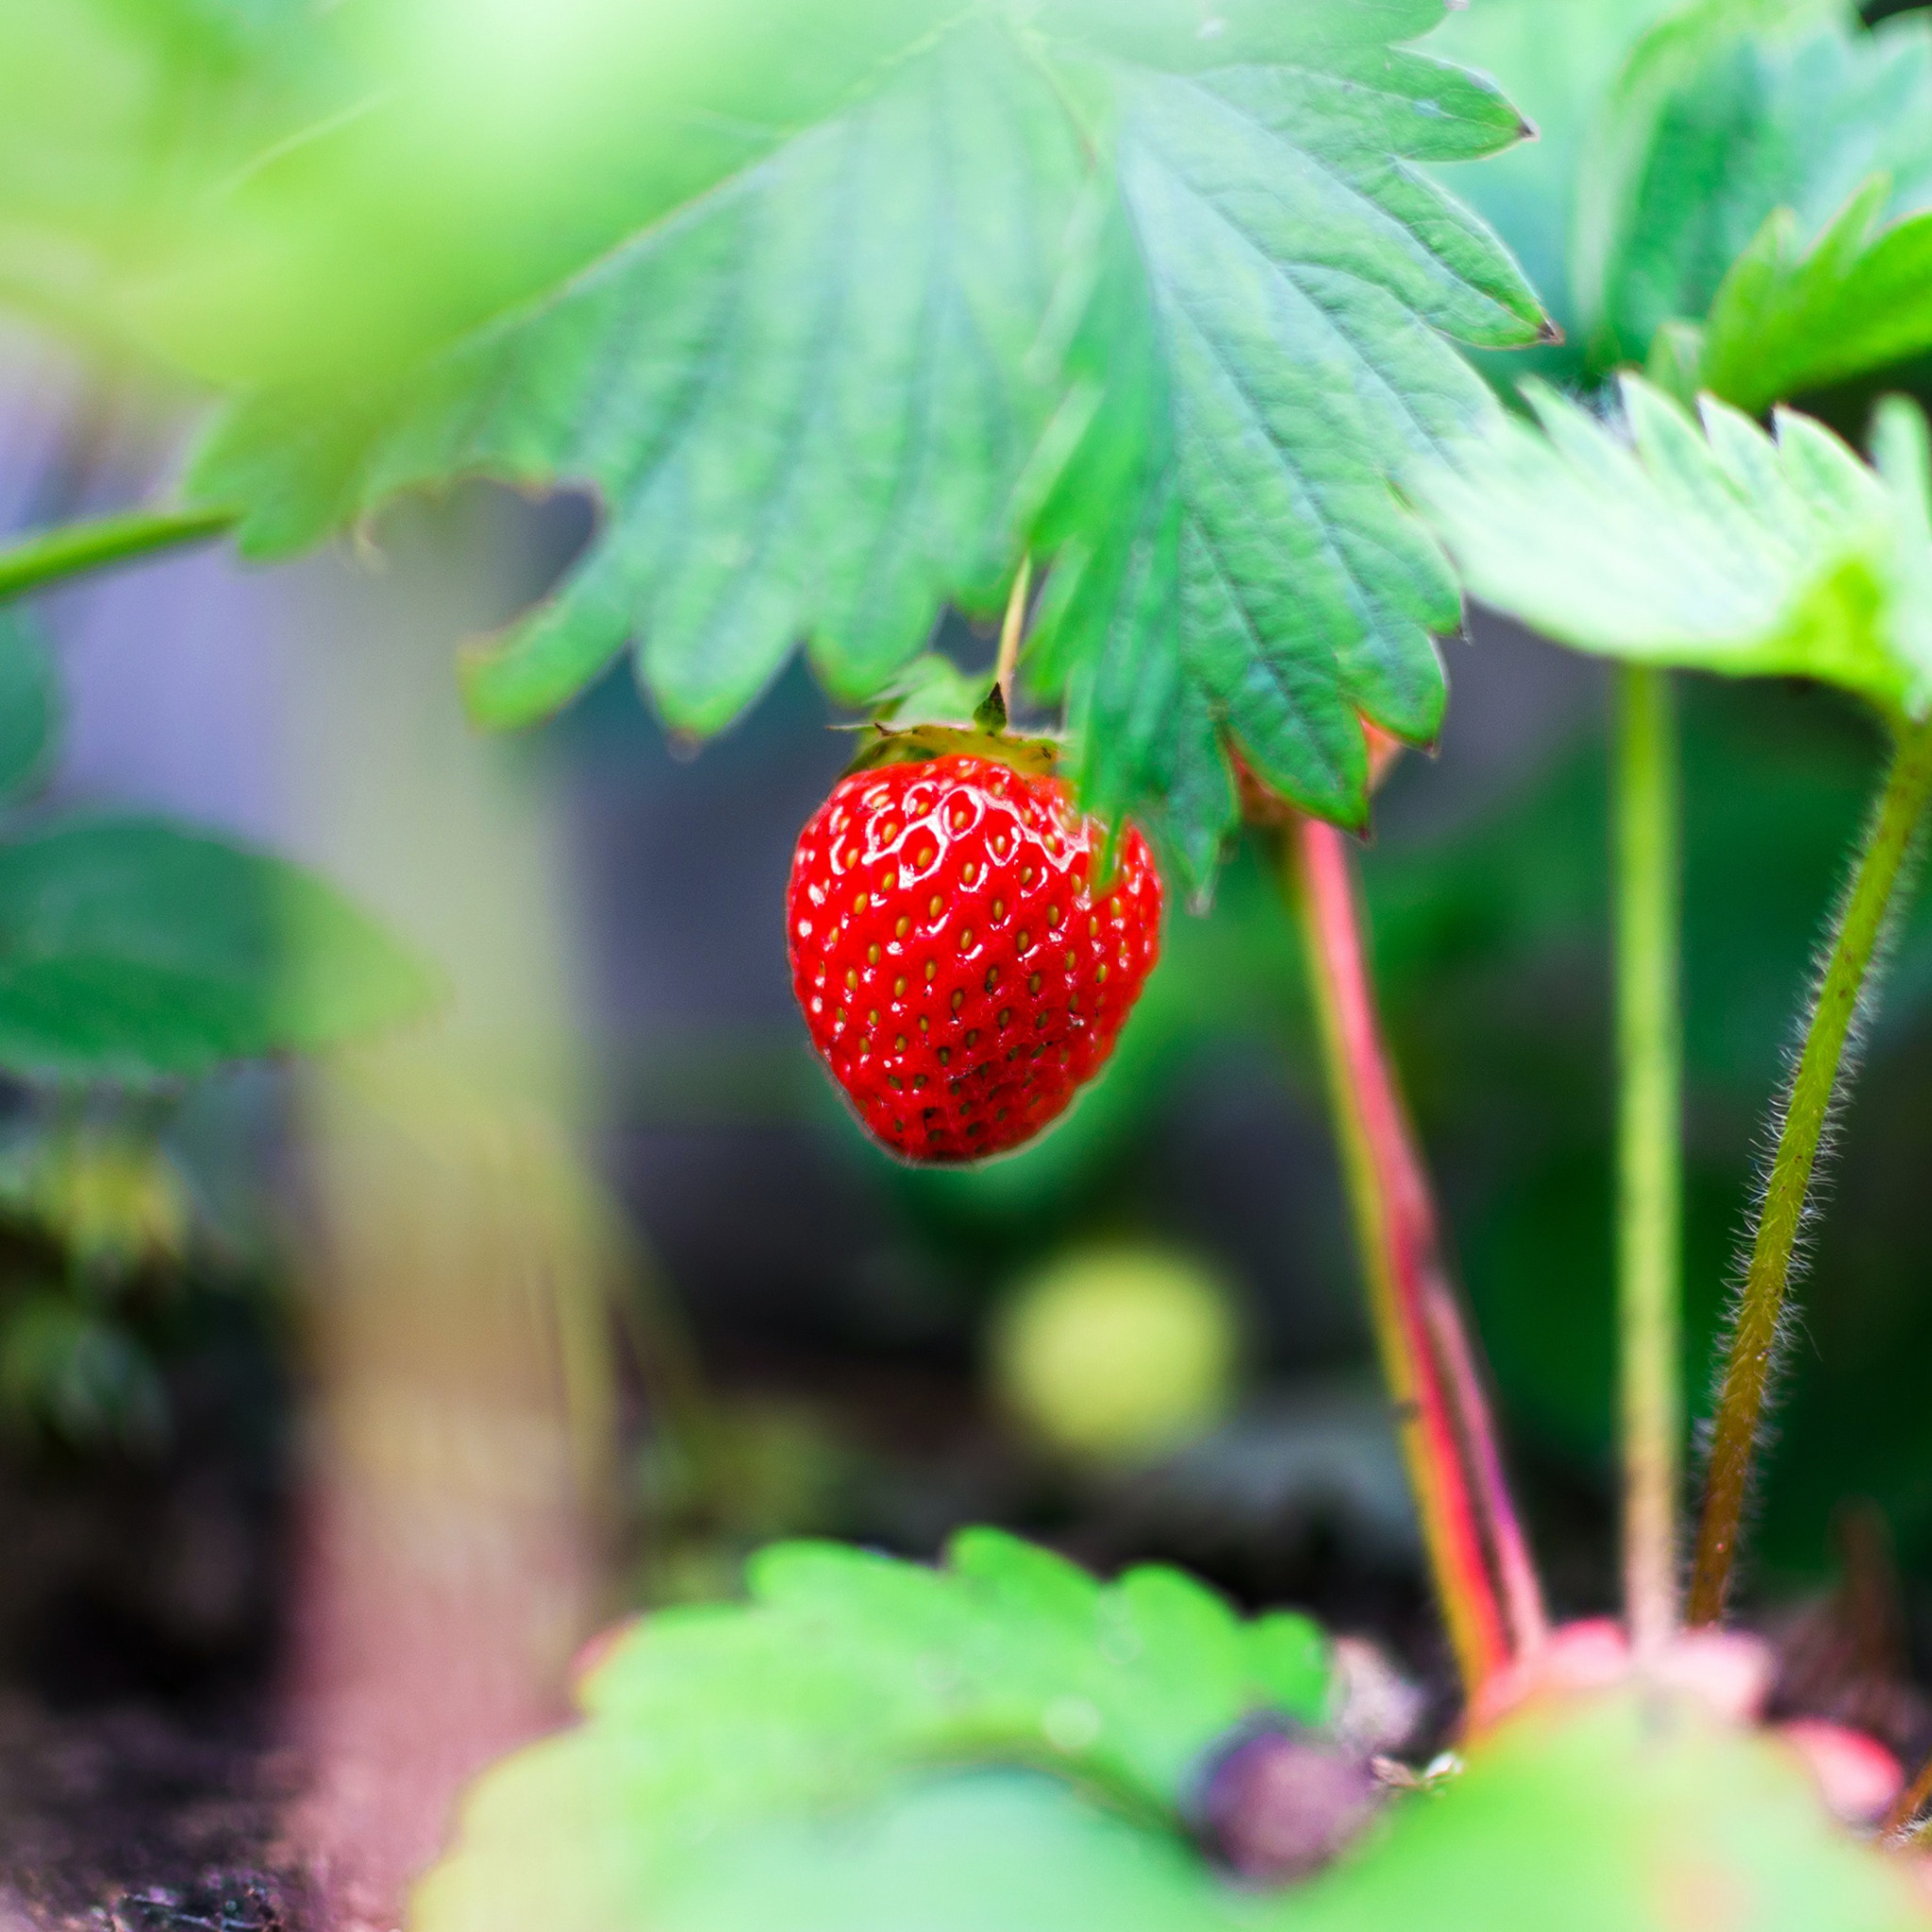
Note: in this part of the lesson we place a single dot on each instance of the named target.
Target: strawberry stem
(1843, 995)
(1013, 629)
(1649, 1149)
(1898, 1822)
(1492, 1602)
(68, 549)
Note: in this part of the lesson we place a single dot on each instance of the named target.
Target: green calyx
(1033, 757)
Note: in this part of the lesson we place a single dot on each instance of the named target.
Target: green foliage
(112, 1201)
(719, 1738)
(133, 951)
(1729, 551)
(79, 1373)
(116, 118)
(1607, 1813)
(1560, 81)
(29, 705)
(1726, 111)
(1040, 279)
(968, 1853)
(1788, 318)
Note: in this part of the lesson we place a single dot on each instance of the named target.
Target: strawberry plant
(1150, 326)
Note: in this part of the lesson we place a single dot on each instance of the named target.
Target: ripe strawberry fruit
(956, 971)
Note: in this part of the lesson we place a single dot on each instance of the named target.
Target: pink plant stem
(1486, 1584)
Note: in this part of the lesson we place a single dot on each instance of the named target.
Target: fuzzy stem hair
(1845, 993)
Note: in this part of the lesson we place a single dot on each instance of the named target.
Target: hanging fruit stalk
(1492, 1602)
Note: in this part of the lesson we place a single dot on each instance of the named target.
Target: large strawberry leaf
(1726, 111)
(1726, 550)
(719, 1743)
(1280, 351)
(1164, 304)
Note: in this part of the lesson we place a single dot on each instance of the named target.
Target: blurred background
(406, 1372)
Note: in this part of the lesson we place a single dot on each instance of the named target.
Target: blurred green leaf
(1728, 110)
(132, 951)
(804, 402)
(490, 151)
(1787, 318)
(983, 1852)
(29, 705)
(1727, 551)
(117, 118)
(1056, 282)
(1561, 82)
(845, 1674)
(1610, 1813)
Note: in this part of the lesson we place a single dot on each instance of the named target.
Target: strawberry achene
(956, 970)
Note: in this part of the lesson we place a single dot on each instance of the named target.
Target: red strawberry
(956, 974)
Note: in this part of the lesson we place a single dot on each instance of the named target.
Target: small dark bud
(1276, 1804)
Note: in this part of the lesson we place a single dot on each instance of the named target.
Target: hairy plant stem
(1649, 1149)
(1012, 630)
(1751, 1357)
(1899, 1822)
(1490, 1600)
(69, 549)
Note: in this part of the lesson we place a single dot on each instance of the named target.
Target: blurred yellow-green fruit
(1117, 1353)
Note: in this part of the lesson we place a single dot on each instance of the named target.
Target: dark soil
(140, 1607)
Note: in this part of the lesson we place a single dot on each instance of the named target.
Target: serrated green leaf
(845, 1674)
(486, 160)
(1726, 111)
(803, 401)
(29, 705)
(1787, 319)
(1164, 306)
(133, 951)
(1287, 353)
(1727, 550)
(1622, 1812)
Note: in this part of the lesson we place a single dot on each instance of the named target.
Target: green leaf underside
(1726, 112)
(131, 950)
(1728, 550)
(848, 1674)
(1172, 329)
